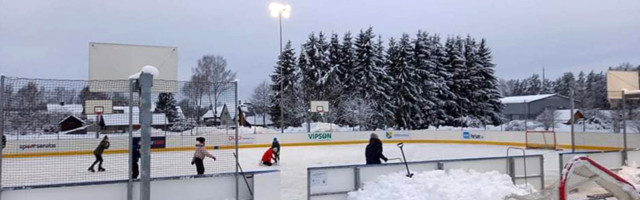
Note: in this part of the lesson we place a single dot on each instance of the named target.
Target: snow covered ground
(439, 184)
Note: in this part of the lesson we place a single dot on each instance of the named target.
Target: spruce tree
(407, 92)
(456, 66)
(284, 77)
(426, 80)
(167, 104)
(490, 95)
(368, 73)
(443, 81)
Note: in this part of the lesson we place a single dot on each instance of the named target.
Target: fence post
(511, 168)
(2, 79)
(146, 82)
(237, 121)
(132, 88)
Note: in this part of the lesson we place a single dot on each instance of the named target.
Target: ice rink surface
(293, 166)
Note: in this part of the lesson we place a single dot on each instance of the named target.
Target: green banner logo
(320, 136)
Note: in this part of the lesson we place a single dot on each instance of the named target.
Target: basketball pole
(624, 127)
(146, 82)
(131, 147)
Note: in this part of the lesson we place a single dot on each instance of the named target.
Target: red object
(266, 157)
(568, 166)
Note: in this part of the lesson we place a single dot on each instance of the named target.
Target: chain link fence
(56, 129)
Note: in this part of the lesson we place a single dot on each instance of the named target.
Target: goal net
(540, 140)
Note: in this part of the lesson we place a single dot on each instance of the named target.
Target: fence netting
(56, 129)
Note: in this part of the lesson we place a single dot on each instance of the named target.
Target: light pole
(280, 10)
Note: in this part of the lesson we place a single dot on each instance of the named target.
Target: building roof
(122, 119)
(220, 110)
(257, 120)
(75, 109)
(564, 115)
(71, 117)
(525, 99)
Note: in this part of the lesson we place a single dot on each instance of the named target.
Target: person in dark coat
(136, 158)
(373, 153)
(4, 141)
(275, 145)
(104, 144)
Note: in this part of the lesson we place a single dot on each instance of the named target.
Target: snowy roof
(524, 99)
(122, 119)
(219, 109)
(71, 116)
(564, 115)
(257, 120)
(125, 109)
(67, 108)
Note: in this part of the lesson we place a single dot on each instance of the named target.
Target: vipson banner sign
(323, 136)
(470, 136)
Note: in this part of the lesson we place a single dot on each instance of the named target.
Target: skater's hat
(275, 139)
(373, 135)
(200, 139)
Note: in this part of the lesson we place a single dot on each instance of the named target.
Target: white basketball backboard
(617, 81)
(110, 66)
(92, 107)
(319, 106)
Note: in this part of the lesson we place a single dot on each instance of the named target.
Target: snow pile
(455, 184)
(631, 173)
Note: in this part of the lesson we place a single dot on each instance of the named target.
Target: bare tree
(213, 68)
(357, 111)
(195, 90)
(260, 99)
(548, 118)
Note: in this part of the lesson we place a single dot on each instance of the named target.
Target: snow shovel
(409, 174)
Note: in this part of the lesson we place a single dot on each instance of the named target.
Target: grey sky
(49, 38)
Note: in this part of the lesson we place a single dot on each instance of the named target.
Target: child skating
(199, 155)
(104, 144)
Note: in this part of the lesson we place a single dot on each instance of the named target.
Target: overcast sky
(49, 38)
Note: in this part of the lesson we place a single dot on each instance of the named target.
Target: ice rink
(293, 166)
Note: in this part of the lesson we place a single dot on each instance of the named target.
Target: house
(73, 109)
(119, 123)
(70, 123)
(564, 116)
(530, 106)
(258, 120)
(219, 116)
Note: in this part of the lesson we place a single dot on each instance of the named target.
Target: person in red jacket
(267, 157)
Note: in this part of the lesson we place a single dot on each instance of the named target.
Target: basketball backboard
(617, 81)
(92, 107)
(110, 65)
(319, 106)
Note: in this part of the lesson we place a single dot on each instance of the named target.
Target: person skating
(275, 145)
(373, 152)
(136, 157)
(267, 157)
(199, 155)
(104, 144)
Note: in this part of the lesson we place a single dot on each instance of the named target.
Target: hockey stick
(409, 174)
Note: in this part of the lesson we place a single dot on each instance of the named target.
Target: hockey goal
(541, 140)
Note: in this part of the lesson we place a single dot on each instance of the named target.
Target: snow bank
(455, 184)
(631, 173)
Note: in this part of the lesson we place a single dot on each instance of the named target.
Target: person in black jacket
(104, 144)
(136, 158)
(374, 150)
